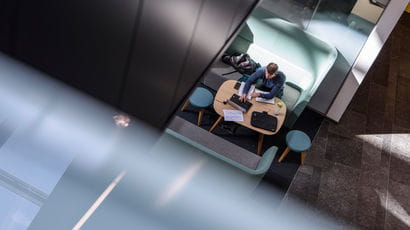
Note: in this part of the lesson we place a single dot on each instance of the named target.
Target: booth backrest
(262, 166)
(210, 169)
(294, 73)
(280, 41)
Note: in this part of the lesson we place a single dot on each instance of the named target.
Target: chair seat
(298, 141)
(201, 98)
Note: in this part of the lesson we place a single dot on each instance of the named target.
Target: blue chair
(297, 141)
(201, 98)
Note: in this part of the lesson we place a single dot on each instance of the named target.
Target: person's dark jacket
(275, 84)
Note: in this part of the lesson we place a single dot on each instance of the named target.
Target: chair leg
(284, 154)
(303, 156)
(216, 123)
(185, 105)
(200, 115)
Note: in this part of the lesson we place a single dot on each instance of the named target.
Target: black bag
(264, 121)
(241, 62)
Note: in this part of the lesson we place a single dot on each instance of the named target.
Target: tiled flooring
(358, 170)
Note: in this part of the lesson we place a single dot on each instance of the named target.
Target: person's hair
(272, 68)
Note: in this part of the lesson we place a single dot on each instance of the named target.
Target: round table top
(226, 90)
(298, 141)
(201, 98)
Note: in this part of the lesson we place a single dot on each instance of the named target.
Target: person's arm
(252, 80)
(275, 89)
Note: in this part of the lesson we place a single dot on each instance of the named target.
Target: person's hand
(243, 97)
(255, 94)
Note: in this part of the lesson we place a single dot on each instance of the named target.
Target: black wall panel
(163, 37)
(8, 16)
(37, 34)
(219, 19)
(83, 43)
(142, 56)
(169, 58)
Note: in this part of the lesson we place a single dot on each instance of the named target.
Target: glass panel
(16, 213)
(296, 11)
(345, 24)
(42, 160)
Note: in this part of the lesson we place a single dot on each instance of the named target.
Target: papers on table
(261, 99)
(233, 115)
(248, 95)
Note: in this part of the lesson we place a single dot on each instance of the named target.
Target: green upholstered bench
(262, 166)
(207, 168)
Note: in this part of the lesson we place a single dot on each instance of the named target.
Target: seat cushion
(201, 98)
(291, 94)
(298, 141)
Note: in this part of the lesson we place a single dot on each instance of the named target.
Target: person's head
(271, 70)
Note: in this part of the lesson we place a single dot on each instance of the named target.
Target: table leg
(216, 124)
(260, 142)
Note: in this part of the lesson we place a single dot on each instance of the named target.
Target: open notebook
(261, 99)
(240, 90)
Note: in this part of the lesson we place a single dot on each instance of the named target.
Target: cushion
(298, 141)
(201, 98)
(291, 95)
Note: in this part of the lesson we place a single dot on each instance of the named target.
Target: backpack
(241, 62)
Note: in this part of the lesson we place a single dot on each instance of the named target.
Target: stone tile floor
(358, 170)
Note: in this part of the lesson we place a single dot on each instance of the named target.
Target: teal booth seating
(304, 58)
(260, 170)
(218, 171)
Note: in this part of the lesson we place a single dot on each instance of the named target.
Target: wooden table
(227, 90)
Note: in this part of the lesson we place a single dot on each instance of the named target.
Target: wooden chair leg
(303, 156)
(216, 124)
(287, 150)
(260, 142)
(200, 115)
(185, 105)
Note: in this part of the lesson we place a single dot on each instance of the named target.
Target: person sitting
(273, 81)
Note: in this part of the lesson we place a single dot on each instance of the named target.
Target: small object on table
(237, 85)
(277, 111)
